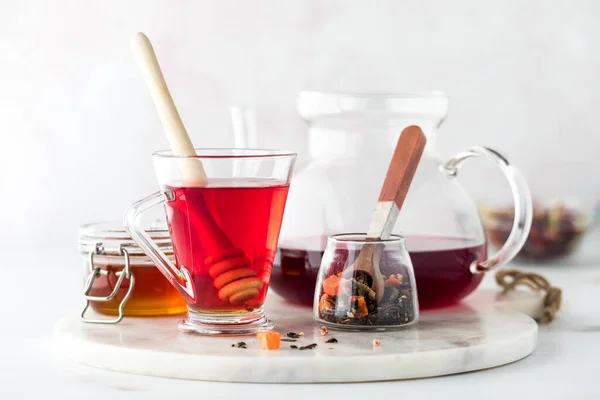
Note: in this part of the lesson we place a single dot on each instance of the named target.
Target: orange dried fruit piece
(324, 303)
(361, 306)
(394, 280)
(331, 285)
(269, 340)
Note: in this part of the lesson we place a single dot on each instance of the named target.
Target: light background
(78, 126)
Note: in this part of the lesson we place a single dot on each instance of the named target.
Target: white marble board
(477, 335)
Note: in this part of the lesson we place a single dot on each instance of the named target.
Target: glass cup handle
(521, 197)
(179, 277)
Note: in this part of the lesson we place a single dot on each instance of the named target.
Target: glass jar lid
(108, 238)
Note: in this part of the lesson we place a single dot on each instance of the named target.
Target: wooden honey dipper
(231, 270)
(399, 176)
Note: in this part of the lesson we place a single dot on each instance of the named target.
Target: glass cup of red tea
(224, 233)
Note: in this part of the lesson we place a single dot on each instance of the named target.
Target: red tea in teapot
(441, 266)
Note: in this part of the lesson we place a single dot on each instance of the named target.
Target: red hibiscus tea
(230, 267)
(441, 267)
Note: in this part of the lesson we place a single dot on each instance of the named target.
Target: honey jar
(119, 279)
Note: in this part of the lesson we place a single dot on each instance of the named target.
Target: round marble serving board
(483, 332)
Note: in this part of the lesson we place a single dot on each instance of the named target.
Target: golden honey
(118, 274)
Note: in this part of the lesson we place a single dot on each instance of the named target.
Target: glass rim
(227, 153)
(362, 238)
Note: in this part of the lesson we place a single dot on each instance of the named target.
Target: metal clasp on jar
(96, 272)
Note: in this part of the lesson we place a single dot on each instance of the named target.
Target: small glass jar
(366, 284)
(120, 280)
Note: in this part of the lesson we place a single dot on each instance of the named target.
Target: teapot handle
(521, 197)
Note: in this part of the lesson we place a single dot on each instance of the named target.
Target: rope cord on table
(509, 279)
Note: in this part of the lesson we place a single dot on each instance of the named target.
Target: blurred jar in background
(557, 229)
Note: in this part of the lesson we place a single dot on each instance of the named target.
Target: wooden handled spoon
(399, 176)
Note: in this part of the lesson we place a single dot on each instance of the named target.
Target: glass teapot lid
(316, 104)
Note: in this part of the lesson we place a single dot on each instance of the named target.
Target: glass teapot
(351, 140)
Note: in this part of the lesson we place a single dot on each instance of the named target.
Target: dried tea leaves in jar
(354, 302)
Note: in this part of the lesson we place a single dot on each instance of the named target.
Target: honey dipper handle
(192, 170)
(397, 181)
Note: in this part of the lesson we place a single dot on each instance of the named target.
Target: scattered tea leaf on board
(293, 335)
(332, 340)
(288, 340)
(241, 345)
(293, 346)
(308, 347)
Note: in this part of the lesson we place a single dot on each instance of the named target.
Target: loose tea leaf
(361, 289)
(332, 340)
(288, 340)
(241, 345)
(363, 277)
(308, 347)
(293, 335)
(392, 294)
(293, 346)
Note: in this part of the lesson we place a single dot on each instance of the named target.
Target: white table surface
(38, 287)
